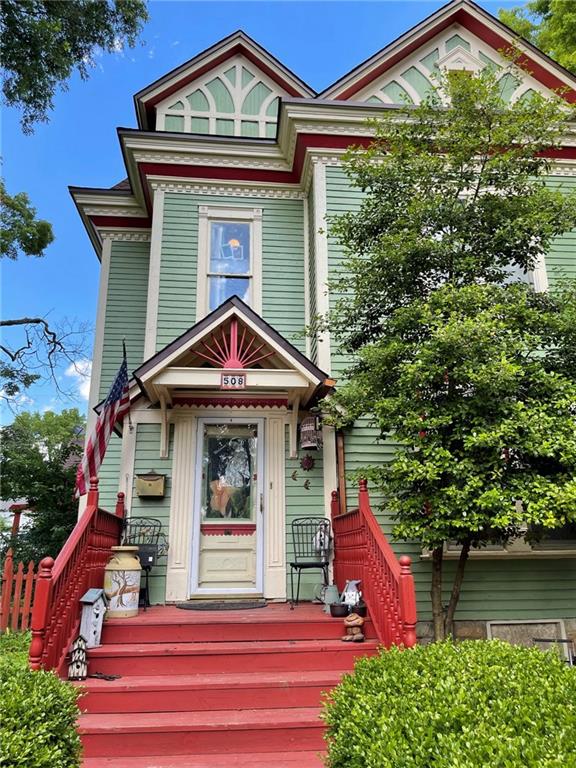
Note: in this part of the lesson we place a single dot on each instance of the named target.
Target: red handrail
(361, 551)
(61, 583)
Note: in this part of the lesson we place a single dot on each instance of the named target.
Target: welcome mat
(221, 605)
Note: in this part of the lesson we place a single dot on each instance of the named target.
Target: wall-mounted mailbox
(151, 485)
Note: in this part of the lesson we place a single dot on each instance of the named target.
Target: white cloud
(174, 43)
(80, 371)
(152, 52)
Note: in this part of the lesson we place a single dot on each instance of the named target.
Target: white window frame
(251, 216)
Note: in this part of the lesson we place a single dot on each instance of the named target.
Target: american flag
(115, 407)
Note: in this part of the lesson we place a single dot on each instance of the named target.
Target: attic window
(233, 101)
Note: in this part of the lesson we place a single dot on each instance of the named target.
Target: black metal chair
(311, 540)
(146, 534)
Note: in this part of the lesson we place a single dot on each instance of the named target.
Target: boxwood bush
(455, 705)
(39, 711)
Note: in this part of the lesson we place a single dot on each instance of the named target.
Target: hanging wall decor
(310, 433)
(307, 463)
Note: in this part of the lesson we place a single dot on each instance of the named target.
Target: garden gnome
(353, 624)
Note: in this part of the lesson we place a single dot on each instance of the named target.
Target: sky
(318, 41)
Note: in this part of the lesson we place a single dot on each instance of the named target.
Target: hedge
(39, 712)
(454, 705)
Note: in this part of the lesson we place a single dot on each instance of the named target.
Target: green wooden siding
(561, 259)
(493, 589)
(125, 319)
(282, 264)
(147, 457)
(302, 502)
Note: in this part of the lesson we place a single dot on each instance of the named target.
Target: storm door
(228, 507)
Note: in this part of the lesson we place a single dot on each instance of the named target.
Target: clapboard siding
(125, 309)
(282, 264)
(561, 258)
(493, 589)
(302, 502)
(147, 457)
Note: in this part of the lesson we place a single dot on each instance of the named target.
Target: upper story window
(229, 257)
(233, 100)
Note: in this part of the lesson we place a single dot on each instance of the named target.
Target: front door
(228, 507)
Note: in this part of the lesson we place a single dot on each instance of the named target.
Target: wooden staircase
(213, 689)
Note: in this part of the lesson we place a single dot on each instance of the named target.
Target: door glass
(229, 472)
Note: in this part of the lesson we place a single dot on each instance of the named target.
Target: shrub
(459, 705)
(39, 712)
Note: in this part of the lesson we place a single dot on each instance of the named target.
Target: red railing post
(7, 576)
(407, 602)
(92, 500)
(335, 505)
(40, 611)
(120, 509)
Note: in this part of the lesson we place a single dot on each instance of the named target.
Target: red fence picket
(17, 592)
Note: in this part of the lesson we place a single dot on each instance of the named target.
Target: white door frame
(260, 506)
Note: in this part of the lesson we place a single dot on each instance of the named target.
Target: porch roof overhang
(163, 377)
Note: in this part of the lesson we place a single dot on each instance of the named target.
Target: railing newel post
(407, 602)
(120, 508)
(7, 578)
(40, 611)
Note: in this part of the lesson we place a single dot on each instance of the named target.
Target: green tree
(38, 458)
(447, 345)
(43, 41)
(549, 24)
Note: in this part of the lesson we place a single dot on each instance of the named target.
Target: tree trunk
(436, 593)
(456, 587)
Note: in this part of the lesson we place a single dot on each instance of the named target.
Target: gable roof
(233, 306)
(236, 43)
(473, 18)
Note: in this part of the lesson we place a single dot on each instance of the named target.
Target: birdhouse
(93, 610)
(78, 667)
(310, 433)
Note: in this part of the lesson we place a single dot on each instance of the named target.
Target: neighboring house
(215, 256)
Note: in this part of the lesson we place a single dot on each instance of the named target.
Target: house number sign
(233, 381)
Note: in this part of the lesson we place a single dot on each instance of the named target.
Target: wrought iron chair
(146, 534)
(311, 540)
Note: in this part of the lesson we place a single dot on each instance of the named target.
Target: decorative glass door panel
(228, 506)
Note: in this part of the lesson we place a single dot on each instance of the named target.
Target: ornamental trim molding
(123, 236)
(232, 161)
(277, 193)
(116, 211)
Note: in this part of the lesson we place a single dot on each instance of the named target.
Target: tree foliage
(20, 231)
(38, 458)
(549, 24)
(43, 41)
(447, 339)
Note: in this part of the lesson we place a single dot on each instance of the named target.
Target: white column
(154, 274)
(275, 511)
(321, 256)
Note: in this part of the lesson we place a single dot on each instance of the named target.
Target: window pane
(230, 248)
(222, 288)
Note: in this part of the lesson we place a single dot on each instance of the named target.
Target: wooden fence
(16, 595)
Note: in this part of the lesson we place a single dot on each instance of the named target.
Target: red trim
(234, 402)
(239, 48)
(477, 28)
(228, 529)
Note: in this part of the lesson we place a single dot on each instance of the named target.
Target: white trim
(180, 524)
(330, 465)
(126, 476)
(540, 275)
(97, 354)
(307, 274)
(274, 522)
(154, 275)
(194, 588)
(519, 622)
(321, 256)
(253, 217)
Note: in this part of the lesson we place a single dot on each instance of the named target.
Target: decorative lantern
(310, 433)
(93, 610)
(78, 667)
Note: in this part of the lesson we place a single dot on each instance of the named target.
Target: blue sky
(319, 41)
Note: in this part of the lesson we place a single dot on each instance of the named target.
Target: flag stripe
(116, 406)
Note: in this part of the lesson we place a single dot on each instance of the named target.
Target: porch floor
(208, 689)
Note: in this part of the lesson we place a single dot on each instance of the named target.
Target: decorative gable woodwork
(454, 49)
(234, 99)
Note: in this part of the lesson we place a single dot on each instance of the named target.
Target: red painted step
(189, 693)
(190, 658)
(197, 733)
(263, 760)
